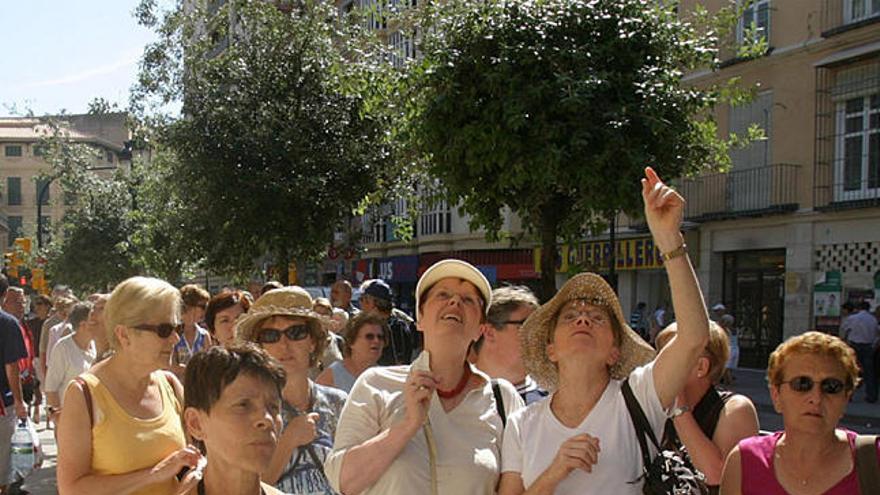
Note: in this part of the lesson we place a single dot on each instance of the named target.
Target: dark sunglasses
(829, 386)
(375, 336)
(297, 331)
(163, 330)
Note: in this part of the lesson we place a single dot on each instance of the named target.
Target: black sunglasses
(374, 336)
(829, 386)
(163, 330)
(297, 331)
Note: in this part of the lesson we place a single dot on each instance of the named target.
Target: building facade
(26, 193)
(793, 229)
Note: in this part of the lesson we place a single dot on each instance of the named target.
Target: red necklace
(448, 394)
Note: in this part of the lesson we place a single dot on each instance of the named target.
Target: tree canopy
(272, 150)
(554, 107)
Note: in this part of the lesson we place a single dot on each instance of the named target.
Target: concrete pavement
(42, 481)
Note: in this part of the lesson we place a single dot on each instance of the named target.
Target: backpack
(669, 472)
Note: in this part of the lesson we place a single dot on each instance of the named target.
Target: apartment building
(793, 229)
(25, 199)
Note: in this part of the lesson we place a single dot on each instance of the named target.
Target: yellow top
(122, 443)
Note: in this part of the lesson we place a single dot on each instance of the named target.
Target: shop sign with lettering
(632, 254)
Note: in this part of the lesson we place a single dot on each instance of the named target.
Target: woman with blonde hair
(706, 421)
(811, 378)
(121, 431)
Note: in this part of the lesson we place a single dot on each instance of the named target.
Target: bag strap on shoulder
(866, 464)
(499, 401)
(87, 393)
(640, 422)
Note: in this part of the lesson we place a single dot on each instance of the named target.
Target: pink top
(758, 477)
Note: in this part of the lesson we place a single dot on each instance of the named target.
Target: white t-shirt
(66, 363)
(533, 437)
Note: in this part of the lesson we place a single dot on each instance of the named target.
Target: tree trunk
(549, 227)
(283, 267)
(612, 259)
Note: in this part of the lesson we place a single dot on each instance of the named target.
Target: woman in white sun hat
(433, 426)
(581, 439)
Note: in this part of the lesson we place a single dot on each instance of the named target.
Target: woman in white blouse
(433, 426)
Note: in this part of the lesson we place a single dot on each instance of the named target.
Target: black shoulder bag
(669, 473)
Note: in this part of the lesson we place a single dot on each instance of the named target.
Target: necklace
(448, 394)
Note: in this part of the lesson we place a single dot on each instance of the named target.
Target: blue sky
(62, 54)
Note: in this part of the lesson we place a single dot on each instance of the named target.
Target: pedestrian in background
(283, 323)
(707, 421)
(194, 338)
(73, 355)
(862, 333)
(122, 430)
(340, 297)
(400, 339)
(811, 379)
(498, 351)
(363, 341)
(41, 305)
(639, 321)
(222, 312)
(13, 349)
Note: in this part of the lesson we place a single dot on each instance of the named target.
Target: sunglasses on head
(163, 330)
(297, 331)
(804, 384)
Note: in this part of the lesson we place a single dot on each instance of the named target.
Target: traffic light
(23, 243)
(38, 279)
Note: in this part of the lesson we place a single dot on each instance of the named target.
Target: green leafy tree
(274, 151)
(553, 108)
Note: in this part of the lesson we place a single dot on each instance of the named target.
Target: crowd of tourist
(153, 389)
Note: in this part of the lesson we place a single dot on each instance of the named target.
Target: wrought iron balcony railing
(748, 192)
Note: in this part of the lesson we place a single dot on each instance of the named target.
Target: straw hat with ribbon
(290, 301)
(538, 329)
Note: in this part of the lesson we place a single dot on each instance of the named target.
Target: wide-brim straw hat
(290, 301)
(534, 334)
(453, 268)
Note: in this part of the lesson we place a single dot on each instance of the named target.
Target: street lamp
(42, 194)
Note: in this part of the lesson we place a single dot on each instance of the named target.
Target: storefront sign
(631, 254)
(398, 269)
(826, 301)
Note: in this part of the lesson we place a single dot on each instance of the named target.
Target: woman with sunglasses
(363, 341)
(122, 431)
(434, 426)
(283, 323)
(812, 377)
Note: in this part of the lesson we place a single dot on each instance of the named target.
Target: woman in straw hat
(283, 323)
(433, 426)
(578, 345)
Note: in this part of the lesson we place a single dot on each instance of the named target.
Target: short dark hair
(78, 314)
(353, 328)
(209, 373)
(223, 301)
(865, 305)
(4, 285)
(42, 299)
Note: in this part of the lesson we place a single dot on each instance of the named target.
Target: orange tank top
(122, 443)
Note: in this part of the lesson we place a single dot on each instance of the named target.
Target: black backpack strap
(640, 422)
(499, 401)
(866, 464)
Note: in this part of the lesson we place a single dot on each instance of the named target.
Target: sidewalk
(860, 416)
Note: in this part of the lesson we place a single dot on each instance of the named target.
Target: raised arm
(664, 211)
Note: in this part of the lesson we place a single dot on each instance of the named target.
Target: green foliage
(553, 108)
(275, 149)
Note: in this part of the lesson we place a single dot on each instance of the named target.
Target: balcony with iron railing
(839, 16)
(741, 193)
